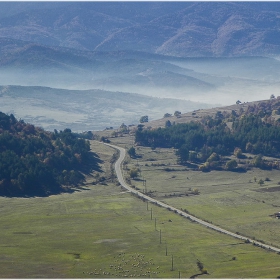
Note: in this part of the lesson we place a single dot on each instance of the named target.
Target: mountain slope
(170, 28)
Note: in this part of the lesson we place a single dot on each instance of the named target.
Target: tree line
(213, 136)
(37, 162)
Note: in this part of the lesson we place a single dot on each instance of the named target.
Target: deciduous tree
(144, 119)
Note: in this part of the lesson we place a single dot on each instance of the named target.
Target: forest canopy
(36, 162)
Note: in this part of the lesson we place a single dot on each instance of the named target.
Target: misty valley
(139, 139)
(115, 88)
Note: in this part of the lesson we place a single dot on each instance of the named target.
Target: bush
(204, 271)
(205, 167)
(131, 151)
(261, 182)
(134, 173)
(267, 179)
(167, 115)
(232, 164)
(238, 152)
(213, 157)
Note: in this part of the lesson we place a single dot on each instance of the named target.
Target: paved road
(120, 177)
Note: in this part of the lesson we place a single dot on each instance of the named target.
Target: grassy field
(101, 231)
(229, 199)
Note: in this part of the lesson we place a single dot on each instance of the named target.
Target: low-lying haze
(83, 110)
(91, 65)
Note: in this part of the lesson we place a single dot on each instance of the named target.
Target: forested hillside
(171, 28)
(36, 162)
(255, 131)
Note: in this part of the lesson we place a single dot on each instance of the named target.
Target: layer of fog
(210, 82)
(226, 92)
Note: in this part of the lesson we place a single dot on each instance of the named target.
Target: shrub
(131, 151)
(214, 157)
(238, 152)
(267, 179)
(134, 173)
(261, 182)
(232, 164)
(205, 167)
(204, 271)
(167, 115)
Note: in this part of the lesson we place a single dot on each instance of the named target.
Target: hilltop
(237, 137)
(244, 108)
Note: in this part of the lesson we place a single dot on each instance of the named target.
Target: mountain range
(171, 55)
(168, 28)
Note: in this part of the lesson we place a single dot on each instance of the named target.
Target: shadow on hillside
(198, 274)
(93, 164)
(57, 190)
(239, 170)
(193, 165)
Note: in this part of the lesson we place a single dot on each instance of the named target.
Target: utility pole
(144, 183)
(145, 186)
(166, 249)
(172, 264)
(151, 213)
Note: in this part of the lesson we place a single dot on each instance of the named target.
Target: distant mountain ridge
(168, 28)
(85, 110)
(212, 80)
(108, 52)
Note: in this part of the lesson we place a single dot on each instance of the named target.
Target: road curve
(120, 177)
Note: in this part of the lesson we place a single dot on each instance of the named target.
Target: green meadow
(101, 231)
(232, 200)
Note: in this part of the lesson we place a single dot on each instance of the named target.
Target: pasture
(232, 200)
(101, 231)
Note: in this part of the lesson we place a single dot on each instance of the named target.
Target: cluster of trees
(37, 162)
(176, 114)
(212, 137)
(269, 110)
(145, 118)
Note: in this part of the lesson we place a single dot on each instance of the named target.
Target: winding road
(118, 169)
